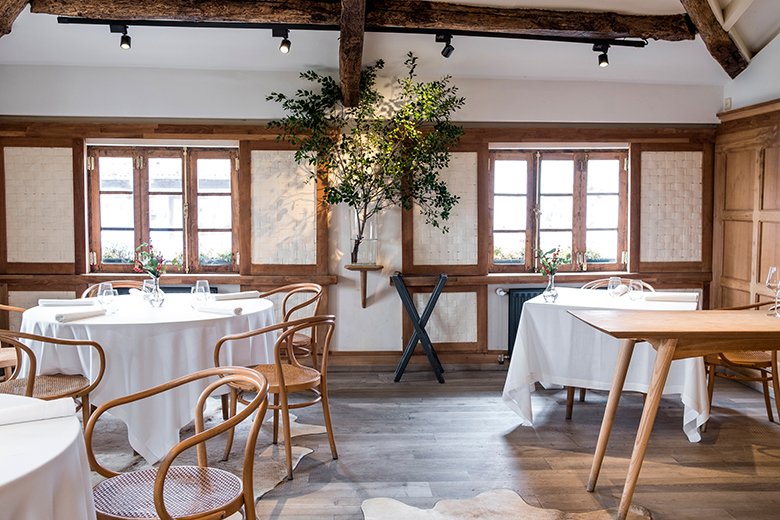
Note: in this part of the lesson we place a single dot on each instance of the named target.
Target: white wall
(760, 82)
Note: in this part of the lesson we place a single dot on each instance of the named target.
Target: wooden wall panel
(740, 180)
(734, 297)
(770, 194)
(737, 255)
(768, 248)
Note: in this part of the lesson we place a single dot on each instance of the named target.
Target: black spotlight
(446, 39)
(284, 34)
(603, 58)
(124, 41)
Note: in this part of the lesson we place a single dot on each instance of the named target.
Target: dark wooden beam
(353, 20)
(718, 41)
(9, 11)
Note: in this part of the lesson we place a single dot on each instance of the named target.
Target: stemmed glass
(107, 298)
(201, 291)
(773, 283)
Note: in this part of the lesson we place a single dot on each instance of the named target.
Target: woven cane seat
(295, 378)
(7, 357)
(747, 357)
(189, 490)
(46, 386)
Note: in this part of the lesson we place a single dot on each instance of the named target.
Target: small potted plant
(549, 262)
(152, 262)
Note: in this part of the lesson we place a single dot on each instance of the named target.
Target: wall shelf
(363, 269)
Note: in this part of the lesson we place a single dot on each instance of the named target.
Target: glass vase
(154, 294)
(363, 235)
(550, 293)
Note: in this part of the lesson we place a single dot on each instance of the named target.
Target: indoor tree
(380, 153)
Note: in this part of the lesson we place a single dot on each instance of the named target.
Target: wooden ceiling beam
(353, 21)
(718, 42)
(9, 11)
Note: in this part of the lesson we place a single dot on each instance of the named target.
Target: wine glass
(635, 290)
(107, 299)
(614, 286)
(201, 291)
(773, 282)
(103, 286)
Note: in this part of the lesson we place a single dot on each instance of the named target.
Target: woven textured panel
(671, 207)
(454, 320)
(27, 299)
(284, 210)
(46, 386)
(188, 490)
(459, 246)
(39, 204)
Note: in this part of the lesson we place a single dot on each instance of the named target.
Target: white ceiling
(38, 39)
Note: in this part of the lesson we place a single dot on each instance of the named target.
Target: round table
(44, 473)
(147, 346)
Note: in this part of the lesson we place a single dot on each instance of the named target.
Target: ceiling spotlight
(284, 46)
(603, 58)
(124, 41)
(446, 39)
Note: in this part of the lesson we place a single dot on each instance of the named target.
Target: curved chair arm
(116, 284)
(63, 342)
(604, 282)
(11, 308)
(756, 305)
(292, 327)
(293, 289)
(244, 335)
(21, 347)
(227, 375)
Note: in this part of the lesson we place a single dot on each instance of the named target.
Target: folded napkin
(671, 296)
(44, 302)
(37, 410)
(216, 309)
(65, 317)
(236, 295)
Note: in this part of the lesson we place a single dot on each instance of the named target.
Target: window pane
(511, 177)
(169, 243)
(116, 173)
(601, 246)
(602, 211)
(116, 211)
(165, 211)
(213, 175)
(556, 212)
(551, 239)
(117, 247)
(509, 248)
(214, 212)
(603, 176)
(509, 212)
(215, 248)
(557, 176)
(165, 174)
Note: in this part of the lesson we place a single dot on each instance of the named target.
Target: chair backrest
(299, 299)
(604, 282)
(226, 376)
(11, 308)
(91, 291)
(15, 340)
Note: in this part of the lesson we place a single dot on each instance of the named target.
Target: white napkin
(65, 317)
(671, 296)
(44, 302)
(215, 309)
(36, 411)
(236, 295)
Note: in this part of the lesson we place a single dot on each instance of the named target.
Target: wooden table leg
(663, 361)
(621, 369)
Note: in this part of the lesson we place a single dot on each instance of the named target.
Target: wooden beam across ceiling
(353, 21)
(718, 42)
(9, 11)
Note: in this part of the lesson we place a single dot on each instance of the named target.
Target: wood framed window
(181, 200)
(575, 200)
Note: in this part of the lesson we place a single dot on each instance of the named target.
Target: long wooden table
(674, 335)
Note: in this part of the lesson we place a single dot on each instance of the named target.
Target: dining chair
(287, 376)
(92, 290)
(300, 300)
(595, 284)
(51, 386)
(749, 365)
(177, 491)
(8, 356)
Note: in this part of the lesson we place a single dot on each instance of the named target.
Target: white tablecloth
(44, 473)
(148, 346)
(554, 348)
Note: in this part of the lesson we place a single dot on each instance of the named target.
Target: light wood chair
(287, 376)
(52, 386)
(749, 365)
(595, 284)
(299, 300)
(91, 291)
(9, 357)
(184, 492)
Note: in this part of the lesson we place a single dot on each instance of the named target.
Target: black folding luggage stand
(419, 322)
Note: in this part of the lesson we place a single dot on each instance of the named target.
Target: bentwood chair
(300, 300)
(287, 376)
(92, 290)
(51, 386)
(749, 365)
(8, 356)
(184, 492)
(596, 284)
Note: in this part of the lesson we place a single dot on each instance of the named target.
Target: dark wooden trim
(39, 268)
(718, 41)
(245, 207)
(79, 207)
(36, 282)
(353, 20)
(635, 206)
(3, 215)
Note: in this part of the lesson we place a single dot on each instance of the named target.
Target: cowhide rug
(497, 504)
(114, 452)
